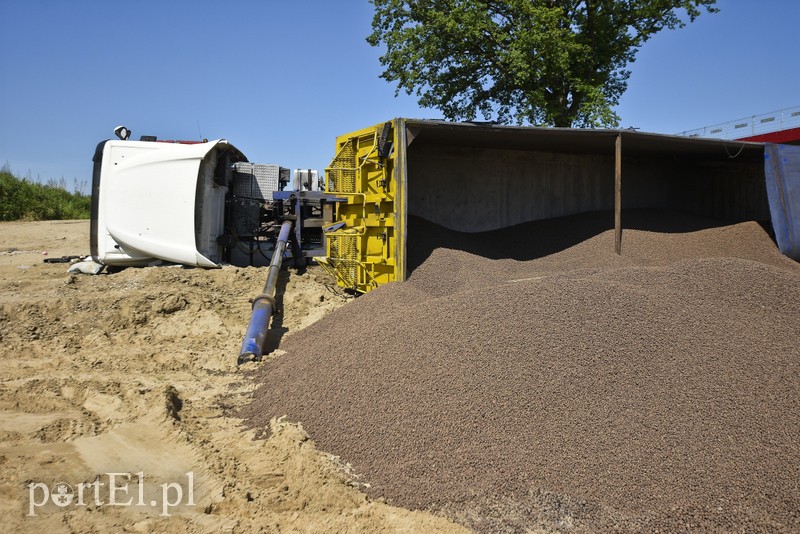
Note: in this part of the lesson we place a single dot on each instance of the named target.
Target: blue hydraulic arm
(264, 304)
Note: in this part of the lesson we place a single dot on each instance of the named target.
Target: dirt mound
(516, 385)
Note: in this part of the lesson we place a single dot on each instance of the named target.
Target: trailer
(474, 177)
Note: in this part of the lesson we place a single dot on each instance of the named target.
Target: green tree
(541, 62)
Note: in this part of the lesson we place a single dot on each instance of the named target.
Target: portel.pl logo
(115, 488)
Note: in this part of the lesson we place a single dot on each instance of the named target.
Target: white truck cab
(155, 200)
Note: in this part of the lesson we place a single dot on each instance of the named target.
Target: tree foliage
(542, 62)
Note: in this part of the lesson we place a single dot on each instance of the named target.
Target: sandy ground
(118, 394)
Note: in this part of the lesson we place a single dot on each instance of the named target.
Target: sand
(134, 372)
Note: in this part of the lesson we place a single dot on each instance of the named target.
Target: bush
(20, 198)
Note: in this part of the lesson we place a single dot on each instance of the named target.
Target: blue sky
(282, 79)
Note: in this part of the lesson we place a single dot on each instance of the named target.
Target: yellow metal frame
(365, 246)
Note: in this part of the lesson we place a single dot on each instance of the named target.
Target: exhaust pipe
(264, 304)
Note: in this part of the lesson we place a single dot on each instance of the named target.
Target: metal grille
(342, 172)
(246, 216)
(344, 258)
(257, 180)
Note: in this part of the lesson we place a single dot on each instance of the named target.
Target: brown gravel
(530, 378)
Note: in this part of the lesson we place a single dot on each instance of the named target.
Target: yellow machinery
(363, 246)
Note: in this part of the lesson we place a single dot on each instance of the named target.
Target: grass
(23, 199)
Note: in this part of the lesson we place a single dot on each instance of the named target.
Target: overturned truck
(204, 203)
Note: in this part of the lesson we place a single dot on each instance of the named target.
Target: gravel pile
(531, 378)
